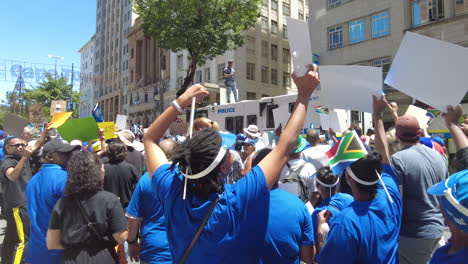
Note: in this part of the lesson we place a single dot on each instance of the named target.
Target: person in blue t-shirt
(367, 230)
(289, 234)
(453, 197)
(144, 212)
(332, 201)
(236, 215)
(42, 193)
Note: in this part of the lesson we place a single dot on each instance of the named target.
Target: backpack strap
(86, 217)
(296, 171)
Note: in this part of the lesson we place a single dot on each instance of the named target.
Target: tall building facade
(87, 79)
(113, 20)
(263, 63)
(369, 32)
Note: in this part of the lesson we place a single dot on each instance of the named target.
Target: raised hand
(306, 84)
(379, 105)
(453, 114)
(198, 91)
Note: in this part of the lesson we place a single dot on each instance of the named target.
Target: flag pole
(192, 116)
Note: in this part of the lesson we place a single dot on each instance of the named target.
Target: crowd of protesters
(217, 197)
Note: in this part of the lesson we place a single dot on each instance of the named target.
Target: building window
(250, 71)
(285, 31)
(286, 79)
(426, 11)
(251, 96)
(335, 37)
(274, 5)
(146, 97)
(461, 6)
(220, 70)
(300, 15)
(384, 63)
(198, 77)
(333, 3)
(274, 76)
(286, 56)
(380, 25)
(250, 45)
(286, 8)
(274, 52)
(265, 3)
(264, 24)
(207, 74)
(180, 59)
(265, 74)
(265, 50)
(274, 27)
(357, 32)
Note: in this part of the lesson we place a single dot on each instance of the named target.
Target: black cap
(57, 145)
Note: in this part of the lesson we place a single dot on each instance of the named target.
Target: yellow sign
(59, 119)
(109, 129)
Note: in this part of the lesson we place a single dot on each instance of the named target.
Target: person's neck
(459, 241)
(363, 196)
(404, 145)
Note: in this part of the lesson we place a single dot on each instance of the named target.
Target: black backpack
(295, 177)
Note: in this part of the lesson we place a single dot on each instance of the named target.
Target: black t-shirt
(462, 159)
(81, 244)
(14, 192)
(137, 159)
(121, 179)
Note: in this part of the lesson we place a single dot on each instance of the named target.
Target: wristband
(132, 242)
(177, 106)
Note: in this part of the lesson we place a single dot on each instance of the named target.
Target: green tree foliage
(51, 89)
(205, 28)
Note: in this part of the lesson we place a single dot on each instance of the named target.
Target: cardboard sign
(299, 43)
(337, 122)
(109, 129)
(84, 129)
(121, 122)
(350, 87)
(420, 115)
(13, 125)
(430, 70)
(325, 121)
(59, 119)
(35, 113)
(58, 106)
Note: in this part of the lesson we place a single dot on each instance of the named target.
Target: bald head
(168, 146)
(312, 136)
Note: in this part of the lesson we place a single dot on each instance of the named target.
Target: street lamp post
(56, 58)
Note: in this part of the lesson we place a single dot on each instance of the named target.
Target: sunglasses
(18, 145)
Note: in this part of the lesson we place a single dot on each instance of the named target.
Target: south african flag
(321, 110)
(432, 112)
(344, 153)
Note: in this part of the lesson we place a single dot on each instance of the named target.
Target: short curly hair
(116, 152)
(84, 173)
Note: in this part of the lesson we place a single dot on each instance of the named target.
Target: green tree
(51, 89)
(205, 28)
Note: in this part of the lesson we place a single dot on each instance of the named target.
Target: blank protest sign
(432, 71)
(350, 87)
(299, 43)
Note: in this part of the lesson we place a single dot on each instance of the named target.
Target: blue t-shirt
(335, 205)
(441, 256)
(235, 231)
(367, 231)
(154, 247)
(42, 193)
(289, 227)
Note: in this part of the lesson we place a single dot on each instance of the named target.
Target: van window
(239, 124)
(251, 120)
(229, 124)
(270, 119)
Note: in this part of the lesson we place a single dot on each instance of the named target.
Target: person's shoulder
(106, 196)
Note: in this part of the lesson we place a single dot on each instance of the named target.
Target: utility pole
(20, 90)
(56, 58)
(71, 91)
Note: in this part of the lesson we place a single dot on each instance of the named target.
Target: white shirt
(316, 155)
(307, 172)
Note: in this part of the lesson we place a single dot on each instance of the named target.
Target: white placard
(430, 70)
(325, 122)
(299, 43)
(350, 87)
(337, 122)
(420, 115)
(121, 122)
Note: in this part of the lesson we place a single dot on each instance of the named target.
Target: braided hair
(196, 154)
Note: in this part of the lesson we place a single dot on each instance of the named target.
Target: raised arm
(451, 119)
(380, 138)
(394, 109)
(155, 157)
(273, 163)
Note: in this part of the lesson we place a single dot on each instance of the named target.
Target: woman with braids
(235, 227)
(332, 201)
(88, 222)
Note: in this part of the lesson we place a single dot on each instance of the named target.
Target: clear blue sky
(32, 29)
